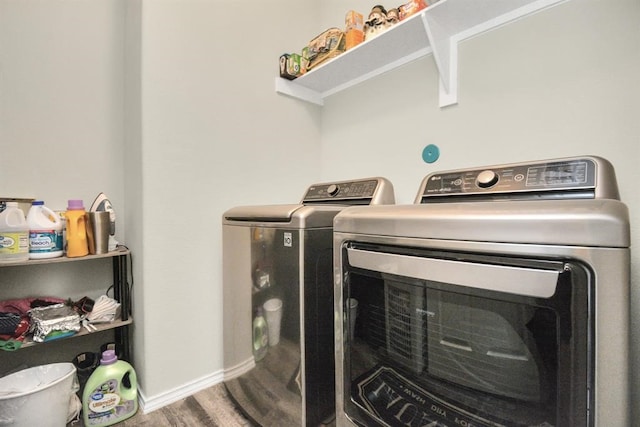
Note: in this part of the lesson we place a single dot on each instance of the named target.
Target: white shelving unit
(121, 293)
(437, 29)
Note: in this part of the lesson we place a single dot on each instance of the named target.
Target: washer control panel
(365, 191)
(564, 178)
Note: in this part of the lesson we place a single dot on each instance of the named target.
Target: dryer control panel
(371, 191)
(574, 178)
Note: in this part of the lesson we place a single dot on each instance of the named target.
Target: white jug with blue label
(45, 232)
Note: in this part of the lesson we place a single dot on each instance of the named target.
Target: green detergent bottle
(111, 392)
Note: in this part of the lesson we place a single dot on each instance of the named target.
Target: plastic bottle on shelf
(14, 234)
(63, 221)
(76, 234)
(45, 232)
(260, 335)
(111, 392)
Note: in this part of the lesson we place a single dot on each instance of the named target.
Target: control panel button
(333, 189)
(486, 179)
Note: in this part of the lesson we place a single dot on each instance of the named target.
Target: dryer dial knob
(486, 179)
(333, 189)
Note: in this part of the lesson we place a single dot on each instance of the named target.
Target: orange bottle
(76, 229)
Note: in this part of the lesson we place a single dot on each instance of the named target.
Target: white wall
(214, 134)
(560, 82)
(61, 100)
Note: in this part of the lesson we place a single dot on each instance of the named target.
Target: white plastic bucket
(37, 396)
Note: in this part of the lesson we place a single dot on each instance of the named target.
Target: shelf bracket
(445, 54)
(445, 39)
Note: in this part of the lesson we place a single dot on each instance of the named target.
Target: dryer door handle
(501, 278)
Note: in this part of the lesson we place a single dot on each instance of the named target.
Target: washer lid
(320, 203)
(265, 213)
(282, 216)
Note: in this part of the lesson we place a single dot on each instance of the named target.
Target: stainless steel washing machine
(278, 302)
(500, 298)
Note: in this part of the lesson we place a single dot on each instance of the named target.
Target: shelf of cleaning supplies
(121, 292)
(435, 30)
(100, 327)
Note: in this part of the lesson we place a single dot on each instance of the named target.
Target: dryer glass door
(465, 339)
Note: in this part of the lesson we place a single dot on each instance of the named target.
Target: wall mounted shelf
(437, 29)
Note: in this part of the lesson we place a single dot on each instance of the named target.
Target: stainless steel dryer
(277, 272)
(500, 298)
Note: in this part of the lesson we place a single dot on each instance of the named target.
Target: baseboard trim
(239, 369)
(151, 403)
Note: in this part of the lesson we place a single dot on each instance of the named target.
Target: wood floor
(270, 393)
(210, 407)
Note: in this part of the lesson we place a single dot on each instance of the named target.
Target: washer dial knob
(486, 179)
(333, 189)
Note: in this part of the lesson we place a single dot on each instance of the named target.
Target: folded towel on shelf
(105, 309)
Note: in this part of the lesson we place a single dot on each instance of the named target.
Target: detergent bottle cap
(75, 204)
(108, 357)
